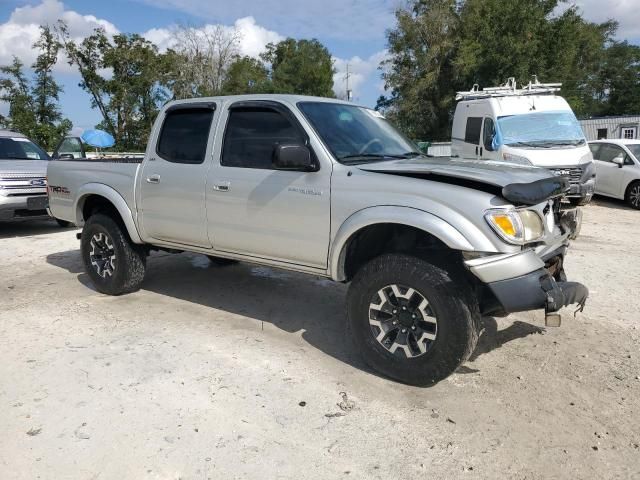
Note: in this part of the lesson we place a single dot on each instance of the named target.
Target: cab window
(252, 135)
(184, 135)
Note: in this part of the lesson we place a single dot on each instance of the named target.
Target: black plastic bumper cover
(538, 290)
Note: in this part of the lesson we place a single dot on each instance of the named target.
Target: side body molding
(115, 198)
(412, 217)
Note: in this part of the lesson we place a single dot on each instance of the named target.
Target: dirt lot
(247, 372)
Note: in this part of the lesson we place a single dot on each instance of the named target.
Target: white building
(603, 128)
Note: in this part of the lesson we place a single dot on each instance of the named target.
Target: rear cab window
(184, 134)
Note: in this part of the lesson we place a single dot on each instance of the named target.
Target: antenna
(346, 77)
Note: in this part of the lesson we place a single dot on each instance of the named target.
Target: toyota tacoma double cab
(331, 189)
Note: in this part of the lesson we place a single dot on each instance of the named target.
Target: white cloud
(626, 12)
(21, 31)
(252, 37)
(361, 71)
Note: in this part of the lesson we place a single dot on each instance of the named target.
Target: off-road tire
(221, 262)
(631, 195)
(579, 201)
(129, 263)
(452, 301)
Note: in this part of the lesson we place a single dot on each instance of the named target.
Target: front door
(257, 211)
(172, 181)
(608, 174)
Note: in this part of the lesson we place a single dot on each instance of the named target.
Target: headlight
(517, 159)
(516, 226)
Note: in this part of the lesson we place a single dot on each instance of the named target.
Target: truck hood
(518, 184)
(32, 167)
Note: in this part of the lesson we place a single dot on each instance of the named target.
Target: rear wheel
(633, 195)
(115, 264)
(411, 320)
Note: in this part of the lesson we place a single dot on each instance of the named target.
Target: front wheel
(633, 195)
(115, 264)
(411, 320)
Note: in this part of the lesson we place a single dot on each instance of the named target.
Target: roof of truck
(9, 133)
(264, 96)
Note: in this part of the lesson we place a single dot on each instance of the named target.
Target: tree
(619, 80)
(200, 60)
(246, 75)
(302, 67)
(441, 46)
(50, 126)
(419, 73)
(33, 106)
(122, 75)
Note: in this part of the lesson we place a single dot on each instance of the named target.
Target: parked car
(331, 189)
(23, 183)
(529, 126)
(618, 169)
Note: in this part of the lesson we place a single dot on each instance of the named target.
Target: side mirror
(294, 157)
(65, 156)
(619, 160)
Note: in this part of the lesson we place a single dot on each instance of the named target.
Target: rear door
(472, 137)
(257, 211)
(172, 180)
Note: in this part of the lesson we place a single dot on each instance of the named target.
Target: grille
(574, 173)
(22, 181)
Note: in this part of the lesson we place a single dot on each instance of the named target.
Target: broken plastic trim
(536, 192)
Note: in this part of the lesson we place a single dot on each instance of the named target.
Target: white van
(529, 126)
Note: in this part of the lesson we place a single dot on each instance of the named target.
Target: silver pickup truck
(23, 185)
(329, 188)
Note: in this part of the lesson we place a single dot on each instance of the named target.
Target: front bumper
(23, 207)
(520, 281)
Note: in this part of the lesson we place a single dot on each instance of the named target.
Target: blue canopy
(98, 138)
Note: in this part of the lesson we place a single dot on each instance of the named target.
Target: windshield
(635, 149)
(356, 134)
(539, 130)
(20, 148)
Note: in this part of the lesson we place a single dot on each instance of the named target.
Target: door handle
(153, 179)
(480, 151)
(222, 187)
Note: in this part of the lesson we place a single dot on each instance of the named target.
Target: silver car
(618, 169)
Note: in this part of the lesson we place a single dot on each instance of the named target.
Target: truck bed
(67, 177)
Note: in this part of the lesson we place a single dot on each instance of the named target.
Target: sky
(352, 30)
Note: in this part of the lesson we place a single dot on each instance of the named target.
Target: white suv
(618, 169)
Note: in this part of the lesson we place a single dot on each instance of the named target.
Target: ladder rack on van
(509, 89)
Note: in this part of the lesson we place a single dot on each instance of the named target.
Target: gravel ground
(247, 372)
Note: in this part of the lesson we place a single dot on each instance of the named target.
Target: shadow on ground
(289, 301)
(27, 228)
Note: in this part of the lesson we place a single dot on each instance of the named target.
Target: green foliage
(441, 46)
(33, 106)
(122, 76)
(247, 75)
(300, 67)
(420, 71)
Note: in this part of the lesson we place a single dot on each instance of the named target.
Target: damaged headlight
(516, 226)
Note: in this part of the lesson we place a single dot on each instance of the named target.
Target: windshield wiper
(378, 156)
